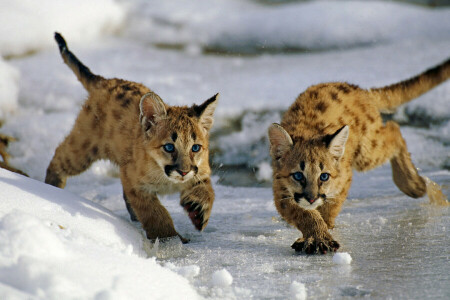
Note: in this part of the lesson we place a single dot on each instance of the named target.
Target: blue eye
(196, 148)
(298, 176)
(169, 148)
(324, 176)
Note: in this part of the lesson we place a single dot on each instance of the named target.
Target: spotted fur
(128, 124)
(331, 129)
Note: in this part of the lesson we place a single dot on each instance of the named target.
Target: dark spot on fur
(125, 103)
(314, 95)
(87, 108)
(374, 144)
(86, 144)
(358, 150)
(95, 150)
(370, 118)
(302, 165)
(117, 115)
(295, 107)
(334, 96)
(194, 136)
(364, 128)
(174, 136)
(321, 166)
(321, 106)
(357, 121)
(344, 88)
(126, 87)
(120, 96)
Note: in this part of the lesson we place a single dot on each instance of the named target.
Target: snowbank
(9, 89)
(248, 27)
(28, 25)
(55, 245)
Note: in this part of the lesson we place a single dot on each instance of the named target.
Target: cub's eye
(298, 176)
(196, 148)
(324, 176)
(169, 147)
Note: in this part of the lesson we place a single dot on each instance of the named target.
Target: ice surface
(399, 246)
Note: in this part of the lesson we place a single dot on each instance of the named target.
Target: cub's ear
(205, 112)
(280, 140)
(336, 141)
(152, 109)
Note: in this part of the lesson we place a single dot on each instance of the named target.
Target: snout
(308, 197)
(175, 172)
(308, 201)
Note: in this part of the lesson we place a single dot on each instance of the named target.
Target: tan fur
(333, 128)
(4, 142)
(128, 124)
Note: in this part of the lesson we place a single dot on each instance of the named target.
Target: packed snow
(342, 258)
(80, 243)
(56, 245)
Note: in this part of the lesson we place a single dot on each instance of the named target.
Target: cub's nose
(310, 198)
(182, 173)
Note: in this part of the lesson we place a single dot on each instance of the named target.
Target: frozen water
(398, 245)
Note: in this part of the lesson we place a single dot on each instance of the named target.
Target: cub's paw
(315, 245)
(198, 213)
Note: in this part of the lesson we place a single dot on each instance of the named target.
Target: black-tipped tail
(84, 75)
(60, 41)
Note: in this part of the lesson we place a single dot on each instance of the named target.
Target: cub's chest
(162, 188)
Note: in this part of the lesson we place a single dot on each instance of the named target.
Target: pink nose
(182, 173)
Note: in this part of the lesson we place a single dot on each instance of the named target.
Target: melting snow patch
(297, 290)
(221, 278)
(342, 258)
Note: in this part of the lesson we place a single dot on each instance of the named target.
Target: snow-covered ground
(397, 247)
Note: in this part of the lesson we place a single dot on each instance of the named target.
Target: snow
(56, 245)
(298, 291)
(243, 26)
(342, 258)
(80, 243)
(221, 278)
(34, 22)
(9, 89)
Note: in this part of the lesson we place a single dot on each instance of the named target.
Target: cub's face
(178, 138)
(306, 171)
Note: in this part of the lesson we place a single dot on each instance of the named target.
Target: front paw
(313, 245)
(198, 213)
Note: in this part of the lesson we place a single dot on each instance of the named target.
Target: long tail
(84, 75)
(389, 97)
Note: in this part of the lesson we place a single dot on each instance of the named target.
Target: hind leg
(73, 156)
(389, 144)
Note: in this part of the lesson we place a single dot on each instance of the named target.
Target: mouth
(309, 202)
(177, 175)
